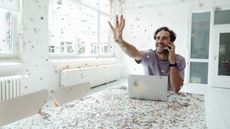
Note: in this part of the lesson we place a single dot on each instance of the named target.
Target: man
(160, 62)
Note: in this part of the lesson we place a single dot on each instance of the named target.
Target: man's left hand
(172, 56)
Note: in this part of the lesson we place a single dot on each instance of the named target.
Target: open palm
(117, 30)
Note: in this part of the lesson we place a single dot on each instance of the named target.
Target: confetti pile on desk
(113, 109)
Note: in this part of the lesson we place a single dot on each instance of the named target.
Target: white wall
(143, 17)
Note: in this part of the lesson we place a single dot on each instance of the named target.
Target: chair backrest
(18, 108)
(67, 94)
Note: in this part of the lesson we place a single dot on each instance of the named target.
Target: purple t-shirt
(154, 66)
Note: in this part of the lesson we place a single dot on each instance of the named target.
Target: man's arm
(129, 49)
(175, 80)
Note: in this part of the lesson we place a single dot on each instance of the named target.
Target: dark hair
(172, 34)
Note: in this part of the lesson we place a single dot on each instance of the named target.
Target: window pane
(222, 17)
(6, 22)
(74, 28)
(199, 72)
(63, 27)
(104, 44)
(224, 54)
(88, 29)
(200, 35)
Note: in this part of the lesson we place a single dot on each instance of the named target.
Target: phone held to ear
(169, 47)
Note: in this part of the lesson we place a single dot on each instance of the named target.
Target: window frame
(15, 37)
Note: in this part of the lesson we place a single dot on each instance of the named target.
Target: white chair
(67, 94)
(22, 107)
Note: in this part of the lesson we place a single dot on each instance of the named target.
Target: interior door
(221, 57)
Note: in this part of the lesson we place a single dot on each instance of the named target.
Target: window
(222, 17)
(66, 47)
(199, 72)
(80, 28)
(8, 20)
(199, 53)
(200, 35)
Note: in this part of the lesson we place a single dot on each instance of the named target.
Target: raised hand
(117, 30)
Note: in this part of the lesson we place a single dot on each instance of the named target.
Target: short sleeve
(148, 56)
(181, 64)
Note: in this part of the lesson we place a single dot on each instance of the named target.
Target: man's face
(162, 40)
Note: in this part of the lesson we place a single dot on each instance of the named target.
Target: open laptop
(148, 87)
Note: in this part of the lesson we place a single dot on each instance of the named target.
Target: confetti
(112, 108)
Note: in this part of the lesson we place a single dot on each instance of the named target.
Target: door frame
(217, 81)
(211, 45)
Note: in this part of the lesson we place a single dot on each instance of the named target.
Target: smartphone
(169, 47)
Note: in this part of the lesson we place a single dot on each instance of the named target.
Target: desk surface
(111, 108)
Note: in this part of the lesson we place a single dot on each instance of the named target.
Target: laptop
(148, 87)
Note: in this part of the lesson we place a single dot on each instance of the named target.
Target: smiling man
(160, 62)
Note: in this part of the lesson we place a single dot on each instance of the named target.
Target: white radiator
(96, 75)
(10, 87)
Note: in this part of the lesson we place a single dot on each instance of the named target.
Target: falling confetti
(31, 19)
(60, 2)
